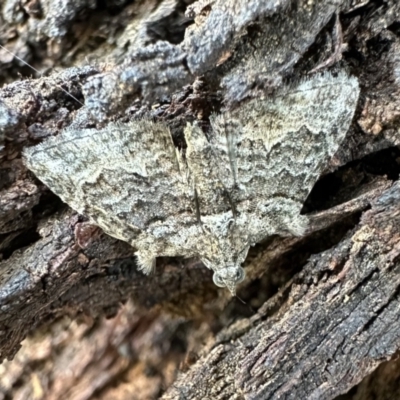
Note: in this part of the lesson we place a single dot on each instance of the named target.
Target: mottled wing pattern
(276, 149)
(127, 178)
(212, 196)
(246, 181)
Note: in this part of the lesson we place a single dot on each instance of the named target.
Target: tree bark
(315, 316)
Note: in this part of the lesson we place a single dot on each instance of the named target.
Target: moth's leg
(298, 225)
(284, 216)
(146, 261)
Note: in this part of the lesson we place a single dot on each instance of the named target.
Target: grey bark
(311, 327)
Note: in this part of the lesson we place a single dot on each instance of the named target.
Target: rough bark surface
(344, 302)
(317, 316)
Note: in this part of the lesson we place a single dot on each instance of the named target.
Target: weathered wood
(337, 320)
(334, 318)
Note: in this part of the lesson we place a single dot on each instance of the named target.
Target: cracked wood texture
(317, 316)
(344, 302)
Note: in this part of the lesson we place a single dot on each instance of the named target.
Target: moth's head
(229, 277)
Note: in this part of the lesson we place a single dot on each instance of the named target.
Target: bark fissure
(321, 311)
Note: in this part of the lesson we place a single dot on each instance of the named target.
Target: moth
(245, 181)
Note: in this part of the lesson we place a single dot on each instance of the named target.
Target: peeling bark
(319, 313)
(336, 322)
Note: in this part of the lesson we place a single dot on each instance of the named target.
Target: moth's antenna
(240, 299)
(41, 75)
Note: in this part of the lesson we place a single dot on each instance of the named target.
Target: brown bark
(318, 313)
(328, 327)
